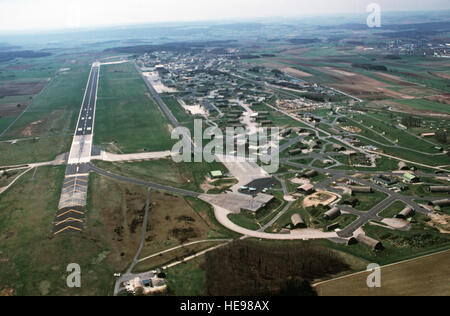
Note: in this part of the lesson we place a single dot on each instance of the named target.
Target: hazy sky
(50, 14)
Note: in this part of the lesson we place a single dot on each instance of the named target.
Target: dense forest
(249, 268)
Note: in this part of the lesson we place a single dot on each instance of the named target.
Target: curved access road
(221, 215)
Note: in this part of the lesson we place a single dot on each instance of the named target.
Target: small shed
(306, 189)
(370, 242)
(402, 166)
(216, 174)
(337, 147)
(311, 174)
(332, 214)
(440, 189)
(357, 189)
(440, 203)
(297, 221)
(410, 178)
(406, 213)
(295, 151)
(286, 132)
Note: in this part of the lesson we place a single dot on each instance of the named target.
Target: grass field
(428, 276)
(187, 279)
(393, 209)
(127, 114)
(188, 176)
(51, 117)
(30, 254)
(367, 200)
(172, 222)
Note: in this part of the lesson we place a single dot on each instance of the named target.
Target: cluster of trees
(442, 137)
(173, 47)
(370, 67)
(11, 55)
(251, 268)
(411, 121)
(300, 41)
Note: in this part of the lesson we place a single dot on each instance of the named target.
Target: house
(402, 166)
(356, 189)
(152, 284)
(410, 178)
(384, 180)
(306, 189)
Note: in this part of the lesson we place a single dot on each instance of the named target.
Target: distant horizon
(266, 19)
(26, 16)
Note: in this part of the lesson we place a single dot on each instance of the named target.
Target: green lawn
(32, 255)
(164, 171)
(393, 209)
(127, 114)
(187, 279)
(367, 200)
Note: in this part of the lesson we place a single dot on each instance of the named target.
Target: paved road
(144, 231)
(158, 99)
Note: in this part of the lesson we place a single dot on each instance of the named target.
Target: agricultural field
(411, 278)
(47, 125)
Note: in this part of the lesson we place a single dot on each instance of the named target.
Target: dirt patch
(394, 79)
(7, 292)
(320, 198)
(31, 128)
(441, 75)
(352, 129)
(213, 184)
(295, 72)
(443, 98)
(172, 221)
(440, 222)
(361, 85)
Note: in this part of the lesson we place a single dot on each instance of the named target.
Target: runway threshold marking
(66, 228)
(70, 211)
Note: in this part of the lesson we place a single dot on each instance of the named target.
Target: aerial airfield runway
(72, 204)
